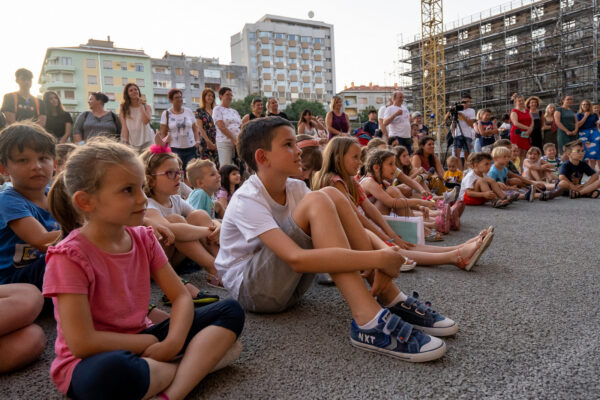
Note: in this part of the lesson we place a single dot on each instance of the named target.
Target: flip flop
(475, 257)
(408, 266)
(487, 243)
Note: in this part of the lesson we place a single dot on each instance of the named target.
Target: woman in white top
(309, 124)
(178, 128)
(135, 116)
(228, 124)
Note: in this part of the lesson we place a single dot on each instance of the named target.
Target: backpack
(35, 99)
(362, 136)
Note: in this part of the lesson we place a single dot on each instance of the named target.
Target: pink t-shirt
(117, 287)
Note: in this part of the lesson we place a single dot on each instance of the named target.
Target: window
(292, 37)
(264, 35)
(319, 41)
(90, 63)
(305, 39)
(92, 80)
(566, 3)
(124, 81)
(486, 47)
(508, 21)
(568, 25)
(212, 73)
(537, 12)
(463, 53)
(537, 33)
(229, 75)
(279, 36)
(139, 67)
(512, 51)
(195, 85)
(251, 36)
(111, 96)
(485, 28)
(179, 71)
(124, 66)
(511, 41)
(180, 85)
(107, 64)
(161, 70)
(68, 78)
(196, 100)
(108, 80)
(463, 35)
(195, 73)
(66, 61)
(140, 82)
(69, 94)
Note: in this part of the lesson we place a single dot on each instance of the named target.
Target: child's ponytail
(61, 206)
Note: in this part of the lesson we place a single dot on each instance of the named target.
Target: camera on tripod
(456, 107)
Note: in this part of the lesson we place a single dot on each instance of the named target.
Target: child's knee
(175, 218)
(393, 192)
(199, 217)
(35, 338)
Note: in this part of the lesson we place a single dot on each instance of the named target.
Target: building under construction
(545, 48)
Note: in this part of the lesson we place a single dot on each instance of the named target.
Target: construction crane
(432, 61)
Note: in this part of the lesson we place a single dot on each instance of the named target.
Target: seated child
(550, 158)
(99, 280)
(408, 177)
(514, 175)
(477, 187)
(515, 159)
(535, 168)
(230, 182)
(311, 158)
(276, 235)
(206, 181)
(453, 176)
(572, 171)
(27, 155)
(63, 151)
(21, 340)
(499, 173)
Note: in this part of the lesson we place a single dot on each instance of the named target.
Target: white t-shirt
(467, 183)
(381, 112)
(250, 213)
(180, 128)
(400, 126)
(178, 206)
(232, 121)
(467, 130)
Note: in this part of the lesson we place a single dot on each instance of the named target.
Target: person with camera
(397, 121)
(462, 117)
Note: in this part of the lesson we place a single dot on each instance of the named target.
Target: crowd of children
(88, 227)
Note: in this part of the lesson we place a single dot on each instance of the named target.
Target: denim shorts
(462, 142)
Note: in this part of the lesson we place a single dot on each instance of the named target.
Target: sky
(366, 32)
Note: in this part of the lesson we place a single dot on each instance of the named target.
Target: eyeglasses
(171, 174)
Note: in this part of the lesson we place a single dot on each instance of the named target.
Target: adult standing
(22, 105)
(549, 127)
(206, 126)
(256, 111)
(397, 121)
(228, 124)
(58, 122)
(566, 122)
(97, 121)
(337, 121)
(309, 124)
(273, 109)
(464, 133)
(521, 126)
(178, 127)
(380, 116)
(587, 124)
(135, 116)
(533, 104)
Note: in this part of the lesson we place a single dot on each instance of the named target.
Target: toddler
(230, 182)
(535, 168)
(550, 158)
(453, 176)
(206, 181)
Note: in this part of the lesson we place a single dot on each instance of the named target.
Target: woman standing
(58, 121)
(522, 126)
(566, 121)
(587, 124)
(135, 116)
(256, 111)
(97, 121)
(206, 126)
(309, 124)
(228, 124)
(533, 104)
(337, 122)
(549, 127)
(178, 127)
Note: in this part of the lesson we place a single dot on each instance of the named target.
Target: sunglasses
(171, 174)
(577, 151)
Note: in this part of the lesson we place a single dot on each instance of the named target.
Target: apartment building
(192, 75)
(359, 98)
(287, 58)
(545, 48)
(75, 72)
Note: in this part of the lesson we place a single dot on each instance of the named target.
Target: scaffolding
(545, 48)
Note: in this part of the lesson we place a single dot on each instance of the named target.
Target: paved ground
(528, 318)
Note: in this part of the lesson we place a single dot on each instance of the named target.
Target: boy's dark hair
(503, 143)
(23, 73)
(479, 157)
(258, 134)
(224, 90)
(372, 112)
(576, 143)
(23, 135)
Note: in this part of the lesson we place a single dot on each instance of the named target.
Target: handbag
(411, 229)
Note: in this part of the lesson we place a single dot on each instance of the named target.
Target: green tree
(363, 116)
(294, 110)
(243, 106)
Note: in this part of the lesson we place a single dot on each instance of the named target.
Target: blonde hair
(153, 161)
(534, 149)
(547, 114)
(450, 159)
(581, 105)
(332, 102)
(84, 171)
(333, 164)
(530, 98)
(501, 152)
(195, 170)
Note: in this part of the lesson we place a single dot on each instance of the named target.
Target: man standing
(273, 109)
(22, 105)
(371, 125)
(464, 132)
(381, 116)
(397, 121)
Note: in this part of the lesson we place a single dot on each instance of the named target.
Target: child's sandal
(595, 194)
(575, 194)
(214, 281)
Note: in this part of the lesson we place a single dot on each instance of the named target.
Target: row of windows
(109, 64)
(61, 61)
(269, 35)
(110, 80)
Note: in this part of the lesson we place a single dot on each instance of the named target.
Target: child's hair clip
(157, 149)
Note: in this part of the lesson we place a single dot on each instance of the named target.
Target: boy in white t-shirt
(276, 235)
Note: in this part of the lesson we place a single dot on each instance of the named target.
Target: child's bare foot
(464, 253)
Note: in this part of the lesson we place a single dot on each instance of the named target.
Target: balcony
(69, 102)
(58, 85)
(58, 67)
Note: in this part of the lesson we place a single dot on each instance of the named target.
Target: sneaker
(530, 195)
(232, 354)
(396, 338)
(325, 280)
(422, 317)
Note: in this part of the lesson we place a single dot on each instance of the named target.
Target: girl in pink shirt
(99, 280)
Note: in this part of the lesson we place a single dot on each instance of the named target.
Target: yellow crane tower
(432, 61)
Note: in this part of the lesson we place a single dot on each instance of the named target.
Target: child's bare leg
(590, 187)
(194, 249)
(495, 187)
(201, 218)
(535, 175)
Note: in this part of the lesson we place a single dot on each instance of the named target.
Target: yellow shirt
(454, 177)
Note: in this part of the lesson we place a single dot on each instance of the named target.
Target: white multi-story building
(287, 58)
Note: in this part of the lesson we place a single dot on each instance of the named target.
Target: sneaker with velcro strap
(397, 338)
(423, 318)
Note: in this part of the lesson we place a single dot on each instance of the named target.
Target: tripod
(453, 124)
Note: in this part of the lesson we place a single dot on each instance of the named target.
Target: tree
(243, 106)
(294, 110)
(363, 116)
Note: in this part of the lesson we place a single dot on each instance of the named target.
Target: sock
(401, 297)
(372, 323)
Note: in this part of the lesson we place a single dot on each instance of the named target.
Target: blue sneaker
(396, 338)
(423, 318)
